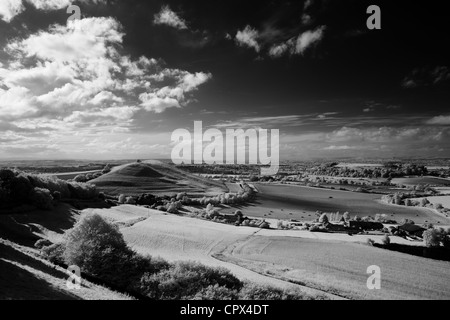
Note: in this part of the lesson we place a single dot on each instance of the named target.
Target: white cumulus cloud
(248, 37)
(167, 17)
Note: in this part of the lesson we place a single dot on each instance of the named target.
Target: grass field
(154, 177)
(178, 238)
(413, 181)
(341, 268)
(445, 201)
(301, 203)
(279, 257)
(24, 276)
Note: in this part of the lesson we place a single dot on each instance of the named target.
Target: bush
(4, 195)
(173, 207)
(91, 239)
(41, 243)
(446, 241)
(54, 253)
(6, 175)
(407, 221)
(185, 279)
(21, 189)
(386, 240)
(80, 178)
(122, 199)
(216, 292)
(130, 200)
(431, 238)
(262, 292)
(181, 195)
(424, 202)
(106, 169)
(83, 191)
(370, 242)
(323, 219)
(42, 199)
(346, 216)
(56, 195)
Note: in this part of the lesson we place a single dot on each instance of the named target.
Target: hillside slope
(25, 276)
(154, 177)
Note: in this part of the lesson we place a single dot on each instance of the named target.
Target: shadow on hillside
(430, 253)
(16, 282)
(23, 227)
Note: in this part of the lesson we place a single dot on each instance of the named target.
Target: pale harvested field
(341, 267)
(176, 238)
(337, 265)
(301, 203)
(445, 201)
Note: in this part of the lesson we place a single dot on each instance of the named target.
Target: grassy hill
(25, 276)
(154, 177)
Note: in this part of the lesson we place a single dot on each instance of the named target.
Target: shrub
(173, 207)
(106, 169)
(84, 191)
(185, 279)
(386, 240)
(42, 199)
(42, 243)
(424, 202)
(89, 240)
(122, 198)
(370, 242)
(407, 221)
(6, 175)
(280, 225)
(181, 195)
(80, 178)
(446, 241)
(428, 226)
(4, 195)
(346, 216)
(216, 292)
(438, 206)
(21, 189)
(56, 195)
(130, 200)
(54, 253)
(262, 292)
(431, 238)
(323, 218)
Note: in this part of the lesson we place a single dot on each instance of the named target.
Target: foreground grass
(341, 268)
(24, 276)
(97, 247)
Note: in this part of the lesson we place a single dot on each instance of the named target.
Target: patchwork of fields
(281, 257)
(301, 203)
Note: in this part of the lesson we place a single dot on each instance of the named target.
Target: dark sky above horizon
(116, 83)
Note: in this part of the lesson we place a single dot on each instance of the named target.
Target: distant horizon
(340, 159)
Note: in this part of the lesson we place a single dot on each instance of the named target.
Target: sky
(117, 82)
